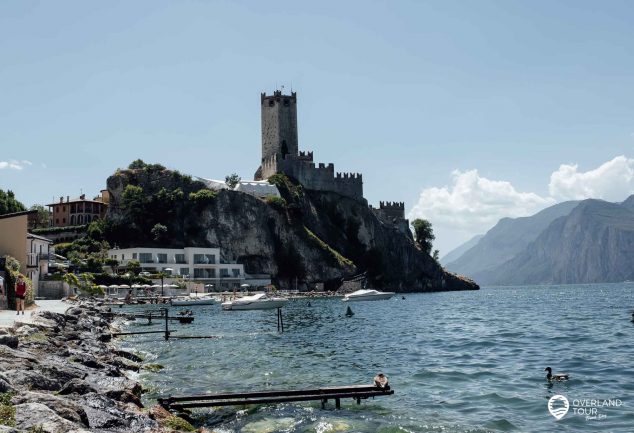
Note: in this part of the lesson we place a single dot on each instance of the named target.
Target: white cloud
(473, 204)
(612, 181)
(11, 165)
(14, 164)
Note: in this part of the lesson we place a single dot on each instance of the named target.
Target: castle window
(286, 102)
(271, 102)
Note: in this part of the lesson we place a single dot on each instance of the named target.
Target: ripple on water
(458, 361)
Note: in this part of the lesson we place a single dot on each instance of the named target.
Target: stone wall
(52, 290)
(318, 177)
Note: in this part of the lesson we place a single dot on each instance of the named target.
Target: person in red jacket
(20, 294)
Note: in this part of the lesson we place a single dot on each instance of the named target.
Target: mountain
(459, 251)
(505, 240)
(305, 236)
(594, 243)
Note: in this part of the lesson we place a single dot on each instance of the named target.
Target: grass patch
(37, 337)
(152, 367)
(324, 246)
(7, 411)
(176, 423)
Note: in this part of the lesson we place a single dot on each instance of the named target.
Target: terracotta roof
(17, 214)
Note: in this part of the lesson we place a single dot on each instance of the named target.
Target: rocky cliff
(594, 243)
(504, 241)
(308, 236)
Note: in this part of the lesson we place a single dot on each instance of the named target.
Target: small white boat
(367, 295)
(260, 301)
(192, 300)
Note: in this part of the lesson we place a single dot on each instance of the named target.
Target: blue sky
(466, 111)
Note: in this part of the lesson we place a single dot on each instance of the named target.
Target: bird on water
(557, 377)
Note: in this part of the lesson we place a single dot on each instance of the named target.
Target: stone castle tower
(279, 125)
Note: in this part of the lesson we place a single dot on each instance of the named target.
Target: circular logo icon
(558, 406)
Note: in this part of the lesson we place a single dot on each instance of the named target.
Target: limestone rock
(34, 415)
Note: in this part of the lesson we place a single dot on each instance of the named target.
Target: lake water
(458, 361)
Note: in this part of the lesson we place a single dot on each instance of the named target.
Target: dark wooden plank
(287, 399)
(327, 390)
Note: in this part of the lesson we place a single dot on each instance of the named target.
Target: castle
(281, 154)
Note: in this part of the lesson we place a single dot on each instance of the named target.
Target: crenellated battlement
(348, 176)
(388, 205)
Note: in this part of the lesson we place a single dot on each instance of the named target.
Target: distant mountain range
(585, 241)
(457, 252)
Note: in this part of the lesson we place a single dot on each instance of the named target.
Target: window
(56, 220)
(200, 259)
(211, 273)
(179, 258)
(63, 208)
(184, 272)
(63, 220)
(73, 208)
(72, 220)
(236, 273)
(134, 256)
(224, 273)
(286, 102)
(199, 273)
(162, 257)
(145, 257)
(271, 103)
(122, 256)
(210, 258)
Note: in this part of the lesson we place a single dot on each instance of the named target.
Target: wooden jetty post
(280, 320)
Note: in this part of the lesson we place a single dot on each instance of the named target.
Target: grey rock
(9, 340)
(66, 408)
(5, 429)
(33, 415)
(76, 386)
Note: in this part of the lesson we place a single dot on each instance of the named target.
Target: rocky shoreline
(61, 373)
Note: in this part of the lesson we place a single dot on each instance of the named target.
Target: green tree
(134, 266)
(232, 180)
(423, 234)
(436, 255)
(113, 263)
(158, 232)
(137, 164)
(42, 217)
(9, 204)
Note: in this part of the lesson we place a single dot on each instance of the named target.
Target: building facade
(78, 211)
(191, 263)
(30, 250)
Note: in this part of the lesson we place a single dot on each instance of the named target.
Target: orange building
(78, 211)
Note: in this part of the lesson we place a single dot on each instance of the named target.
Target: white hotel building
(201, 265)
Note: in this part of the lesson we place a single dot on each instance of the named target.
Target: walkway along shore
(60, 373)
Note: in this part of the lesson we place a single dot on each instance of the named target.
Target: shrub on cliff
(277, 202)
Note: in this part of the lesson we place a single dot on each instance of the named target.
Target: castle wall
(279, 124)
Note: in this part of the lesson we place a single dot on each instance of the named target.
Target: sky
(466, 111)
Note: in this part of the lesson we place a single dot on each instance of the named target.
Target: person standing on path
(20, 294)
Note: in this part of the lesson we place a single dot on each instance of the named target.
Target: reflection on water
(461, 361)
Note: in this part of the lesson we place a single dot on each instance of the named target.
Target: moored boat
(259, 301)
(367, 295)
(193, 300)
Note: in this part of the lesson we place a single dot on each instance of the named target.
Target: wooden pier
(356, 392)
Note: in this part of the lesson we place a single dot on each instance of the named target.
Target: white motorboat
(260, 301)
(367, 295)
(193, 300)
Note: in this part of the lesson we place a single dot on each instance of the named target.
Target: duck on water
(557, 377)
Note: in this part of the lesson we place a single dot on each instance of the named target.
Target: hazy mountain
(594, 243)
(505, 240)
(459, 251)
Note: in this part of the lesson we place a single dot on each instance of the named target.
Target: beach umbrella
(113, 286)
(124, 286)
(136, 286)
(173, 286)
(146, 286)
(101, 286)
(155, 286)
